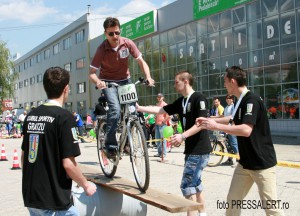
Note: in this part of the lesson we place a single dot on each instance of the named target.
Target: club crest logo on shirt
(249, 109)
(74, 133)
(124, 53)
(33, 147)
(202, 105)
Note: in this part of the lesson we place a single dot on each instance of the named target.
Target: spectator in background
(22, 117)
(8, 121)
(218, 108)
(79, 125)
(150, 124)
(89, 119)
(160, 124)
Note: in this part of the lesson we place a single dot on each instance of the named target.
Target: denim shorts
(191, 180)
(72, 211)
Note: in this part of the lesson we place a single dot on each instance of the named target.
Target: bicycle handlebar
(140, 80)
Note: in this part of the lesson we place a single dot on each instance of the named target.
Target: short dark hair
(185, 75)
(55, 80)
(237, 73)
(111, 22)
(216, 98)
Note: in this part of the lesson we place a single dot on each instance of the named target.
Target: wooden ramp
(169, 202)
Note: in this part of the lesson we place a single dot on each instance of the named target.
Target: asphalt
(166, 176)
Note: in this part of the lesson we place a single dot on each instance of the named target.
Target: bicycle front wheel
(215, 159)
(139, 156)
(107, 165)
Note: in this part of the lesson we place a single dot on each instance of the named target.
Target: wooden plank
(166, 201)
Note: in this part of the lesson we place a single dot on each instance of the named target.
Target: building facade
(204, 37)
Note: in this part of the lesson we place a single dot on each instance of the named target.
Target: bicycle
(220, 144)
(129, 131)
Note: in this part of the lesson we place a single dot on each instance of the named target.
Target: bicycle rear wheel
(215, 159)
(139, 156)
(107, 165)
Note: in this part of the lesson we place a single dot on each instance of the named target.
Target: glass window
(172, 55)
(191, 51)
(68, 66)
(288, 53)
(203, 83)
(192, 68)
(67, 43)
(272, 102)
(39, 78)
(213, 23)
(80, 63)
(254, 35)
(213, 45)
(255, 76)
(226, 42)
(214, 66)
(225, 19)
(298, 17)
(56, 49)
(181, 35)
(47, 53)
(241, 60)
(16, 86)
(226, 62)
(271, 31)
(271, 56)
(191, 30)
(272, 74)
(255, 58)
(202, 27)
(140, 45)
(214, 82)
(203, 67)
(285, 5)
(297, 4)
(290, 99)
(240, 39)
(38, 58)
(289, 72)
(269, 7)
(26, 83)
(172, 36)
(164, 57)
(253, 11)
(20, 84)
(155, 42)
(181, 53)
(32, 80)
(148, 58)
(79, 36)
(287, 27)
(155, 60)
(238, 15)
(81, 88)
(202, 48)
(148, 44)
(163, 37)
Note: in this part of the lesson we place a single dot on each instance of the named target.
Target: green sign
(140, 26)
(204, 8)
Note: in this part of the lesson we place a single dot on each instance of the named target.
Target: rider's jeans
(113, 114)
(233, 142)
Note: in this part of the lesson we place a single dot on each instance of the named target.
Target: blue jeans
(8, 128)
(191, 180)
(72, 211)
(233, 142)
(159, 135)
(113, 114)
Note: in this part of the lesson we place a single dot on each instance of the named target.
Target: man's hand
(100, 84)
(176, 140)
(90, 189)
(207, 123)
(150, 82)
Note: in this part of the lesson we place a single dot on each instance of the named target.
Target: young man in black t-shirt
(197, 143)
(49, 148)
(249, 122)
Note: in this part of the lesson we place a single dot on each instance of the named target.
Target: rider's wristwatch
(183, 137)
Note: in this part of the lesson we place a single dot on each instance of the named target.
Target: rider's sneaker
(157, 155)
(227, 163)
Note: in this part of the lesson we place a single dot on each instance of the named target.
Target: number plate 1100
(127, 94)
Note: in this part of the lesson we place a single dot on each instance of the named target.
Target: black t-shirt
(257, 151)
(49, 137)
(197, 107)
(99, 110)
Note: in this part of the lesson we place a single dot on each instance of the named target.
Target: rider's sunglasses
(111, 34)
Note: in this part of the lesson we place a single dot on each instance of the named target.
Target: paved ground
(166, 177)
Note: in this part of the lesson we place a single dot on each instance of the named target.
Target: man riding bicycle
(111, 58)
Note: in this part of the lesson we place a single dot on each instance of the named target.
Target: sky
(24, 24)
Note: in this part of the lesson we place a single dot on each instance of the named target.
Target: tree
(7, 76)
